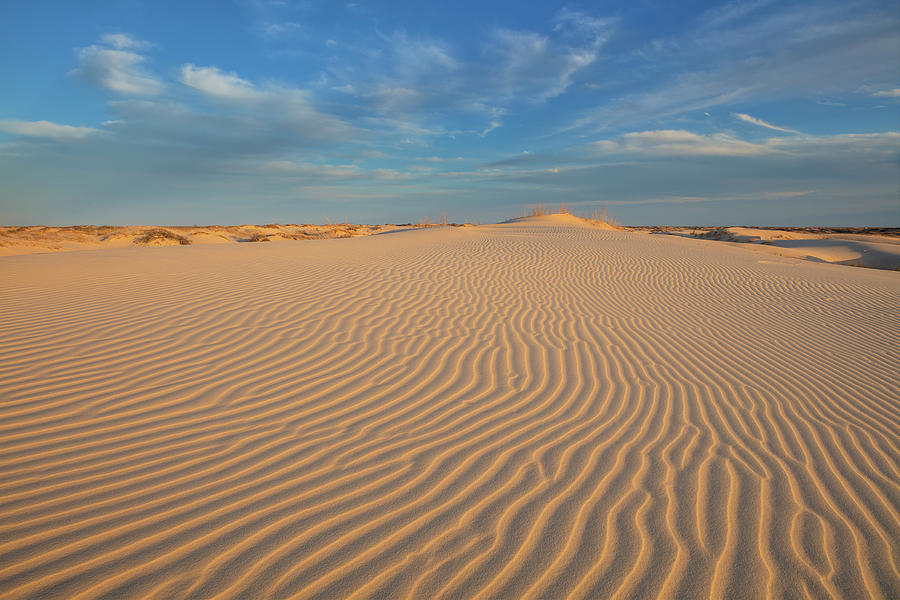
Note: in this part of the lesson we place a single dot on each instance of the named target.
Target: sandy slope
(856, 250)
(530, 410)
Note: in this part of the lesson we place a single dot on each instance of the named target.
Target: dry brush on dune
(595, 217)
(159, 237)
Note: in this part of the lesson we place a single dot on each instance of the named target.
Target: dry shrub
(153, 236)
(600, 217)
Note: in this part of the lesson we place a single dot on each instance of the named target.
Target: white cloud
(213, 82)
(527, 63)
(45, 129)
(761, 123)
(437, 159)
(122, 41)
(895, 93)
(492, 126)
(286, 107)
(117, 68)
(669, 142)
(275, 30)
(605, 146)
(679, 142)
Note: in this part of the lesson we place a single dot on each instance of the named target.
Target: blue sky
(748, 112)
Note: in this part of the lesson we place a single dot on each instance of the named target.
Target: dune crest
(528, 410)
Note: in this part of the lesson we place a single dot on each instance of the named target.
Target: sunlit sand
(539, 409)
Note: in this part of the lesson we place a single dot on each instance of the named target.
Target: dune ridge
(537, 409)
(34, 239)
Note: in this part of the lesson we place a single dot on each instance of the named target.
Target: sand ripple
(531, 410)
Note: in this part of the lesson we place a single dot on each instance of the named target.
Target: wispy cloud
(895, 93)
(123, 41)
(883, 145)
(543, 66)
(281, 30)
(214, 82)
(45, 129)
(314, 170)
(404, 76)
(491, 126)
(748, 119)
(392, 100)
(679, 142)
(796, 194)
(114, 65)
(270, 106)
(439, 159)
(719, 62)
(414, 57)
(729, 12)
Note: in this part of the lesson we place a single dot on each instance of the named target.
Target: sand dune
(870, 250)
(538, 409)
(40, 239)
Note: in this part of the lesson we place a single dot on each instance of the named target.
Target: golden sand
(537, 409)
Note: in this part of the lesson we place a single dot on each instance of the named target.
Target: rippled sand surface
(538, 409)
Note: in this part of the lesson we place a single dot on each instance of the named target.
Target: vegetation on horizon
(596, 217)
(154, 236)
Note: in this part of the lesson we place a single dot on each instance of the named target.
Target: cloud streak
(679, 142)
(753, 120)
(213, 82)
(46, 129)
(720, 61)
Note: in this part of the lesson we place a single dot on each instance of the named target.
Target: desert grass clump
(157, 236)
(428, 222)
(595, 218)
(600, 217)
(259, 237)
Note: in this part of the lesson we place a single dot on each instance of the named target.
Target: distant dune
(859, 247)
(539, 409)
(39, 239)
(872, 247)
